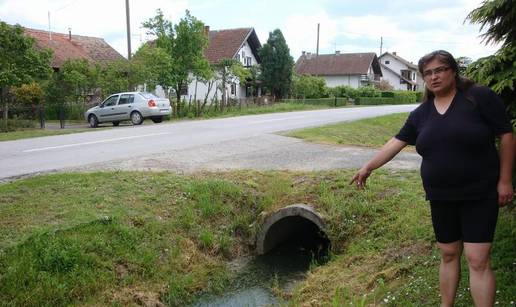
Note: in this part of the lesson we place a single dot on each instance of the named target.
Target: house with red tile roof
(351, 69)
(239, 44)
(400, 73)
(67, 46)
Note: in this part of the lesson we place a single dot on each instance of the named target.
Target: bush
(344, 91)
(309, 87)
(387, 94)
(405, 96)
(368, 91)
(419, 96)
(16, 124)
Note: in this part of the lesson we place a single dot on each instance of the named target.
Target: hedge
(381, 100)
(332, 102)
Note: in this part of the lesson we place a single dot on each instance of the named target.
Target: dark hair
(461, 83)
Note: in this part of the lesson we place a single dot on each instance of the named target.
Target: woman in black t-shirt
(465, 178)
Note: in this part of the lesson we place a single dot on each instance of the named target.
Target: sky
(410, 28)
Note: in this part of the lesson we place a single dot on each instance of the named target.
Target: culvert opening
(297, 228)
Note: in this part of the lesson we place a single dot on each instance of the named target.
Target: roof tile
(335, 64)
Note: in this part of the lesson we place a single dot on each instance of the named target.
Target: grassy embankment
(136, 238)
(370, 132)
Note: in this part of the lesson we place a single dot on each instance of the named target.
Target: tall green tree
(498, 71)
(20, 61)
(151, 66)
(112, 77)
(185, 43)
(277, 64)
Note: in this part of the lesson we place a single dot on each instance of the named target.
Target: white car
(133, 106)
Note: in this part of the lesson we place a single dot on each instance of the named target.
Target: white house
(400, 73)
(238, 44)
(352, 69)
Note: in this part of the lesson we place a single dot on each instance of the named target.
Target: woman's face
(439, 77)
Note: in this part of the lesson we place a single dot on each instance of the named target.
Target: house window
(237, 57)
(183, 90)
(233, 88)
(248, 61)
(243, 56)
(387, 62)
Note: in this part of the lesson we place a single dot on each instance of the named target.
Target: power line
(65, 6)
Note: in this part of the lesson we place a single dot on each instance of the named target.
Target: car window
(111, 101)
(126, 99)
(148, 95)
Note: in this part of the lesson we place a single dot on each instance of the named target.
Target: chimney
(394, 53)
(207, 30)
(70, 34)
(303, 53)
(337, 51)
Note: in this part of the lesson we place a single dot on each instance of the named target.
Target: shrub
(419, 96)
(309, 87)
(344, 91)
(405, 96)
(16, 124)
(368, 91)
(387, 94)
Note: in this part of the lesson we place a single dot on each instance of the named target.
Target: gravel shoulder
(260, 152)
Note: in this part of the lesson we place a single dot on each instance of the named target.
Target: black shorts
(472, 221)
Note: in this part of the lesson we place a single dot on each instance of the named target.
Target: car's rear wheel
(136, 118)
(93, 121)
(157, 119)
(116, 124)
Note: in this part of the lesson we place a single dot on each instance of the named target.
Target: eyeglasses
(438, 71)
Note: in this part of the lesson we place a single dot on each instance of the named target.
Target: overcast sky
(411, 28)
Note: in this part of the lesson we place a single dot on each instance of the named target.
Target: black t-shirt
(460, 160)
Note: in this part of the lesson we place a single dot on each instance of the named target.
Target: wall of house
(245, 51)
(349, 80)
(397, 66)
(393, 80)
(202, 89)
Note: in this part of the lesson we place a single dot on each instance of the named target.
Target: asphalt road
(192, 140)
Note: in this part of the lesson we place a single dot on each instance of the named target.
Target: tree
(277, 64)
(497, 71)
(112, 77)
(463, 62)
(20, 62)
(29, 95)
(185, 43)
(151, 66)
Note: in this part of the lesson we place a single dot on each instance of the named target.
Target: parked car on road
(133, 106)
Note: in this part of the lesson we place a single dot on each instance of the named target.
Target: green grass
(127, 238)
(371, 132)
(34, 133)
(274, 108)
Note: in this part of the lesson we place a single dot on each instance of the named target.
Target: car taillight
(151, 103)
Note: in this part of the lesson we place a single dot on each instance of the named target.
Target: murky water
(281, 268)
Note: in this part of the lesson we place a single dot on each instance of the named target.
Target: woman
(464, 177)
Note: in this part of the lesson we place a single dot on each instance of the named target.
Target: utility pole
(381, 44)
(128, 19)
(318, 27)
(49, 28)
